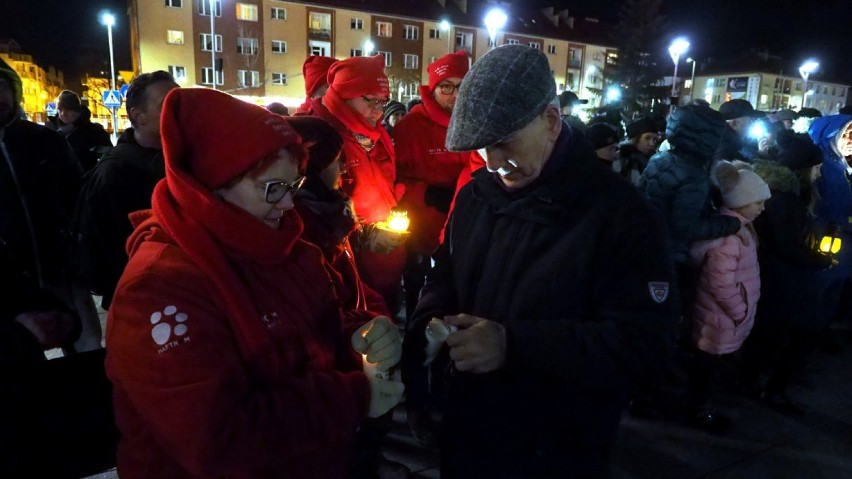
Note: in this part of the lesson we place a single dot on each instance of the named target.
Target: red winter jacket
(188, 401)
(423, 162)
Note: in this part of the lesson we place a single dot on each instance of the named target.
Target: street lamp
(692, 80)
(676, 49)
(445, 26)
(805, 70)
(368, 47)
(108, 19)
(495, 19)
(613, 94)
(212, 4)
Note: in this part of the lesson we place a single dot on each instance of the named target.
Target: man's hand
(479, 346)
(51, 328)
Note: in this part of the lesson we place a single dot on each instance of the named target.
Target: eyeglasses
(275, 190)
(376, 103)
(448, 88)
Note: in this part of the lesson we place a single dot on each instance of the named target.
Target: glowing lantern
(829, 245)
(397, 222)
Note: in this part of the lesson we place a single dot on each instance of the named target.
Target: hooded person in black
(74, 121)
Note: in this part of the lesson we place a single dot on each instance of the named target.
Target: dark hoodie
(677, 181)
(85, 139)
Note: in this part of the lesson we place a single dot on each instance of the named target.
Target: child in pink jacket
(728, 287)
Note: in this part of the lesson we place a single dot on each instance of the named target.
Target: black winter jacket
(84, 137)
(678, 181)
(120, 184)
(39, 181)
(577, 270)
(789, 268)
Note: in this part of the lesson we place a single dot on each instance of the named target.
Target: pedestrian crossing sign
(111, 98)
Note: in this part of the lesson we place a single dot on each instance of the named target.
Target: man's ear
(135, 113)
(554, 120)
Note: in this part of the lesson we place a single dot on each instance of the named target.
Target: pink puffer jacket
(728, 289)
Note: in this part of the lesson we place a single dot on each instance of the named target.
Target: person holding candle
(354, 103)
(230, 352)
(556, 274)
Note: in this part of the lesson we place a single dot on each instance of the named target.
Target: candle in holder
(829, 245)
(396, 222)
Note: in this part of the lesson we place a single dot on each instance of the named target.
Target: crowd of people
(553, 273)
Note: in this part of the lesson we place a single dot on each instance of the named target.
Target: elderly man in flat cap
(553, 284)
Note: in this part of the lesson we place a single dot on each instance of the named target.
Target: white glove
(380, 342)
(384, 395)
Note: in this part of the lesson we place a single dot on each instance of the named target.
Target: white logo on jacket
(659, 291)
(168, 323)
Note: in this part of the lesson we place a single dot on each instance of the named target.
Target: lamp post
(692, 80)
(445, 26)
(212, 4)
(805, 70)
(676, 49)
(108, 19)
(495, 19)
(368, 47)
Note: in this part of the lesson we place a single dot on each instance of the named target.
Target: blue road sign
(123, 91)
(51, 109)
(112, 99)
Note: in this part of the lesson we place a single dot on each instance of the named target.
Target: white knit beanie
(739, 185)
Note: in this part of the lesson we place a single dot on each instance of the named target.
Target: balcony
(321, 33)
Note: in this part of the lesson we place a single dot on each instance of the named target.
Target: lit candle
(371, 371)
(396, 222)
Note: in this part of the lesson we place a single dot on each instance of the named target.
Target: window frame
(173, 71)
(411, 32)
(252, 44)
(278, 9)
(241, 8)
(384, 29)
(173, 3)
(219, 76)
(169, 38)
(405, 61)
(356, 23)
(255, 78)
(282, 77)
(280, 43)
(204, 5)
(217, 42)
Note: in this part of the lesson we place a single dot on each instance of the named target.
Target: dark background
(67, 34)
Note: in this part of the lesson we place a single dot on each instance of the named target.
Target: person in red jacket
(228, 349)
(354, 103)
(428, 171)
(315, 71)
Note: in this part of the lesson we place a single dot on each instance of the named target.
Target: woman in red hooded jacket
(353, 104)
(228, 349)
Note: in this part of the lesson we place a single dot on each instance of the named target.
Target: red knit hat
(217, 137)
(315, 70)
(357, 76)
(448, 66)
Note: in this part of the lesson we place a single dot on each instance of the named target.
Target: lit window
(384, 29)
(551, 49)
(410, 61)
(178, 73)
(174, 3)
(204, 8)
(247, 12)
(357, 24)
(279, 13)
(320, 25)
(412, 32)
(279, 46)
(174, 37)
(205, 42)
(247, 46)
(387, 56)
(279, 79)
(207, 76)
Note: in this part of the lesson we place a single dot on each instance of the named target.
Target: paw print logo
(162, 330)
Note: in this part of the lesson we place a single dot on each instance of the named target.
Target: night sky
(67, 35)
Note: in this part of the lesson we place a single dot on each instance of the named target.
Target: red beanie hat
(315, 70)
(448, 66)
(357, 76)
(217, 137)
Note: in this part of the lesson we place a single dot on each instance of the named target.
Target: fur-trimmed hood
(778, 177)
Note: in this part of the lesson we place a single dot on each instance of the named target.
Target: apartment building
(255, 48)
(768, 92)
(40, 85)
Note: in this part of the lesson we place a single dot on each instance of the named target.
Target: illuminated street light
(692, 80)
(613, 94)
(368, 47)
(495, 19)
(805, 70)
(108, 19)
(676, 49)
(445, 26)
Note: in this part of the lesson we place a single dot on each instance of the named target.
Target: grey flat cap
(503, 91)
